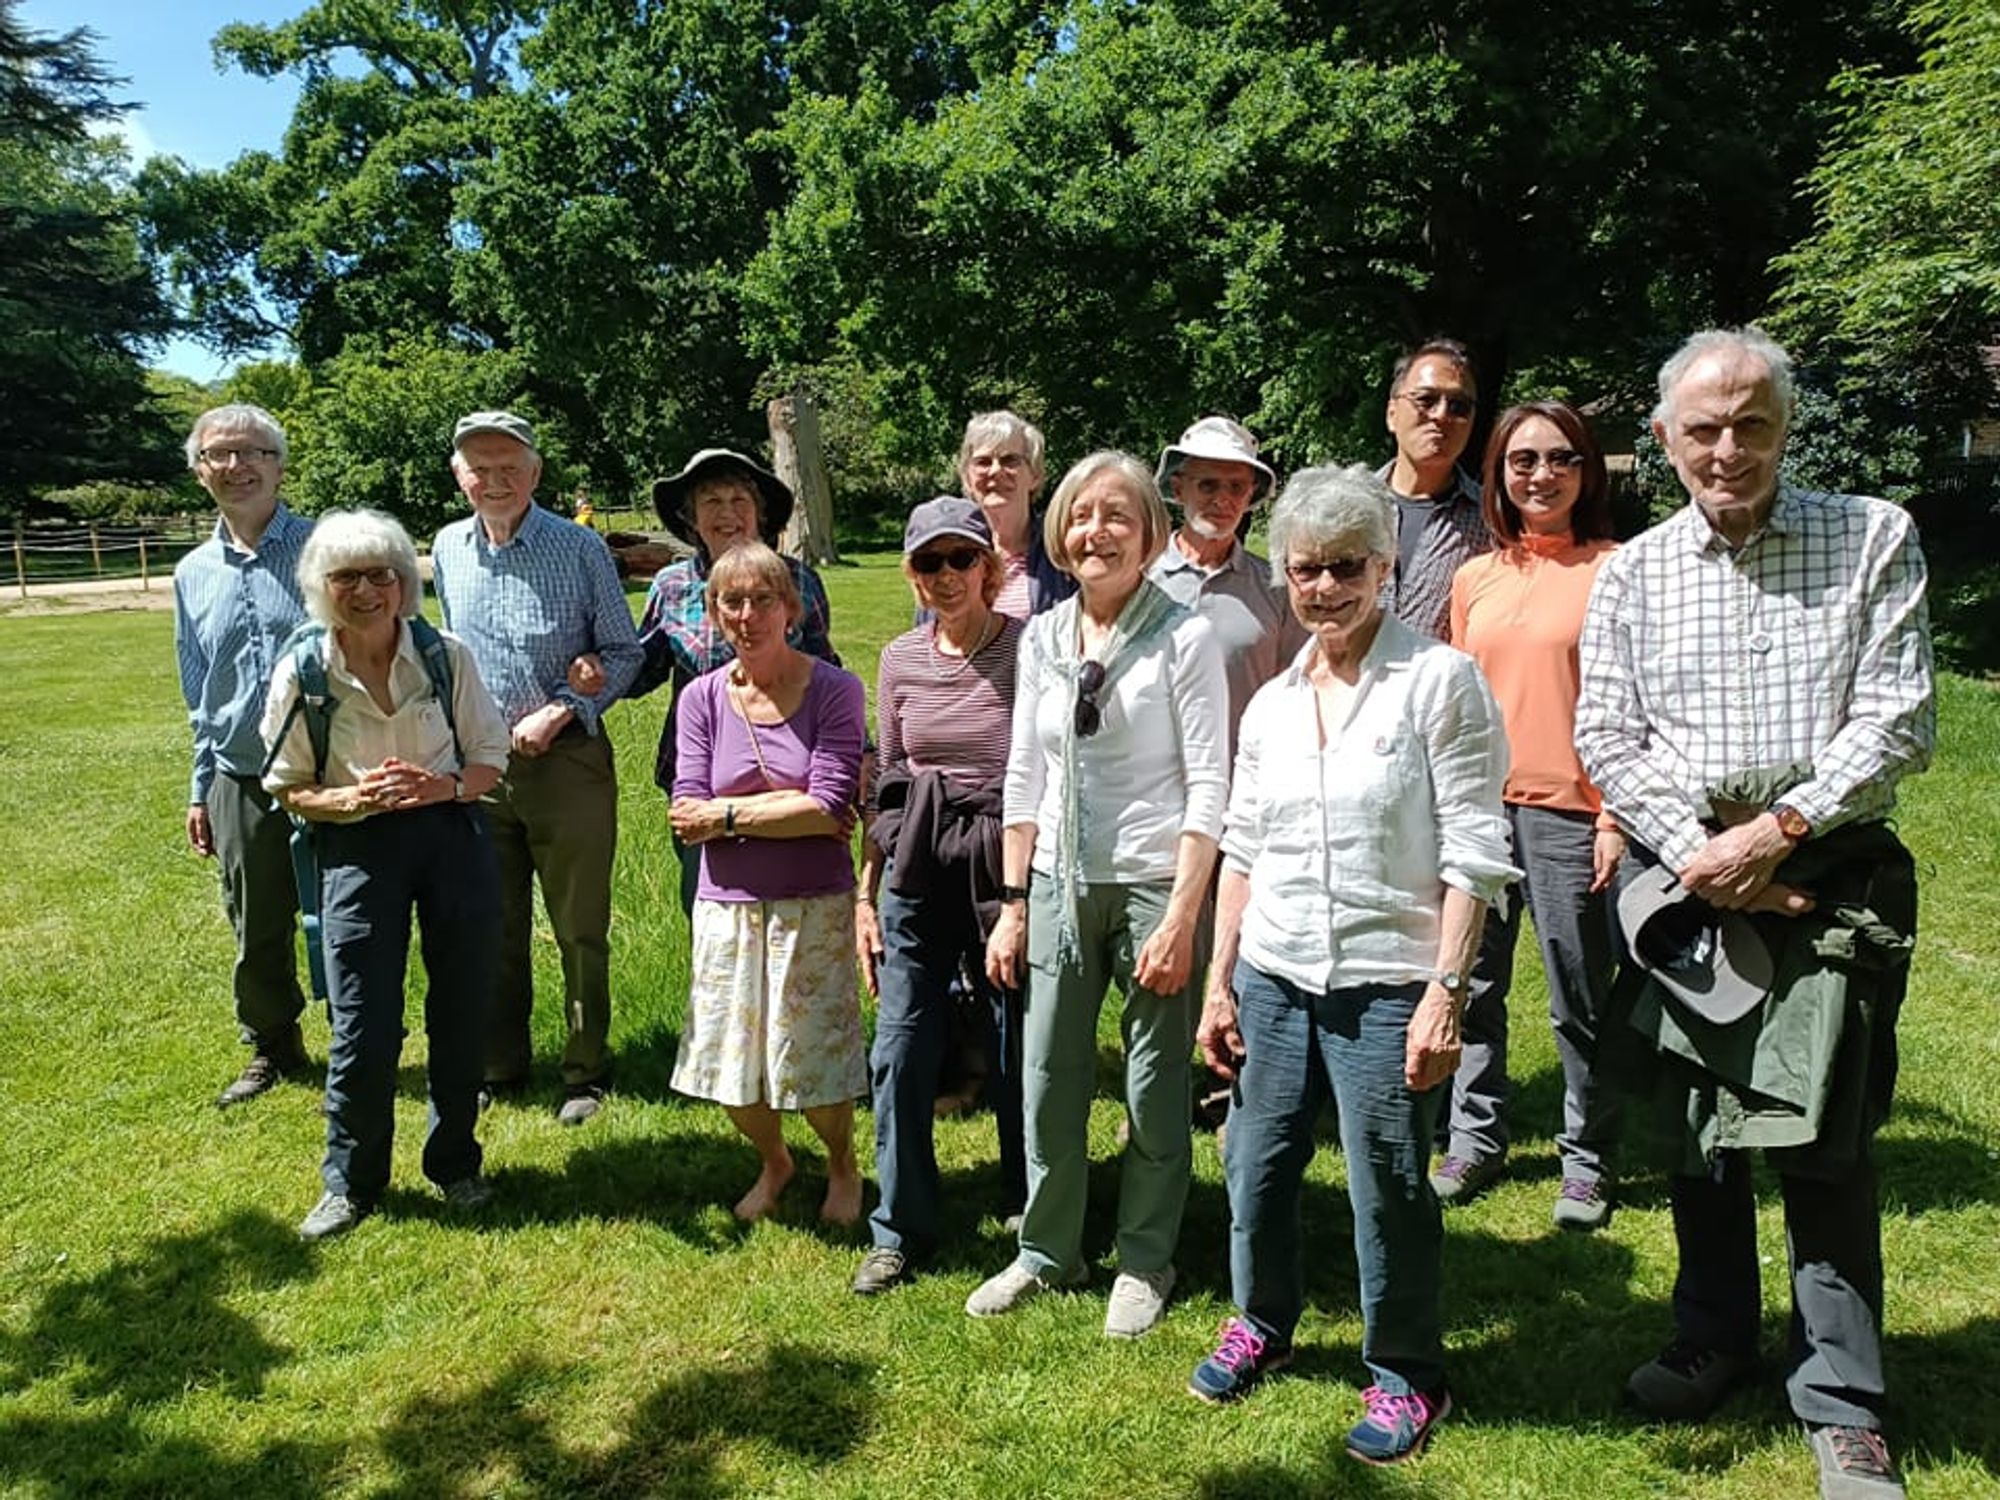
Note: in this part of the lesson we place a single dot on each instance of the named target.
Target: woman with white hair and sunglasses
(1117, 775)
(392, 793)
(1364, 841)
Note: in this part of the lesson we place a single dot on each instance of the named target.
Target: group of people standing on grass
(1292, 810)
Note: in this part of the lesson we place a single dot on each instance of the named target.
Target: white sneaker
(1138, 1302)
(1007, 1291)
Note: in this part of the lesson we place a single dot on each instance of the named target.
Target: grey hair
(237, 416)
(997, 427)
(755, 563)
(357, 539)
(1158, 526)
(1749, 339)
(1321, 507)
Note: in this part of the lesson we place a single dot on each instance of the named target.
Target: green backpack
(307, 648)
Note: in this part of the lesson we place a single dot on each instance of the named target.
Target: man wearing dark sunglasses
(1214, 478)
(1433, 397)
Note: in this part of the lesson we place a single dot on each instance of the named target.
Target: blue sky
(188, 109)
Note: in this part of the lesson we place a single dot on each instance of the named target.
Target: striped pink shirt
(947, 713)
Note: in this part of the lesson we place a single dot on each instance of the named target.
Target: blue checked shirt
(1809, 644)
(531, 606)
(232, 612)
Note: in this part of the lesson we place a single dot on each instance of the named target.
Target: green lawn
(609, 1329)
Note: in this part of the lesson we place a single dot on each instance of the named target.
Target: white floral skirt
(774, 1009)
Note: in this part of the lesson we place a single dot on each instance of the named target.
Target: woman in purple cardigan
(768, 762)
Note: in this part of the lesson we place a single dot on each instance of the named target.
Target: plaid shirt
(1454, 533)
(682, 643)
(530, 606)
(1809, 644)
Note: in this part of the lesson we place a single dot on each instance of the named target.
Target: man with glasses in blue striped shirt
(236, 598)
(529, 592)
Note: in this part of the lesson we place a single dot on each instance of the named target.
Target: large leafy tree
(78, 306)
(1900, 278)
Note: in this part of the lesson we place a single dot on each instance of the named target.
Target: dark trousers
(555, 819)
(253, 853)
(928, 939)
(1833, 1241)
(437, 860)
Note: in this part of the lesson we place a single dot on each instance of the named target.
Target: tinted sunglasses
(1428, 401)
(1343, 569)
(960, 560)
(1524, 461)
(1089, 683)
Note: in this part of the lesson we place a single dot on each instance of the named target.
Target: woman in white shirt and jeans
(1117, 777)
(1365, 838)
(397, 827)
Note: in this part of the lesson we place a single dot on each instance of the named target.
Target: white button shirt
(360, 736)
(1349, 845)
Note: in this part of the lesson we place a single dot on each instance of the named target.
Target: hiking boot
(1459, 1179)
(1396, 1427)
(262, 1073)
(881, 1269)
(1582, 1204)
(1012, 1287)
(1243, 1358)
(1687, 1382)
(335, 1213)
(1138, 1302)
(581, 1104)
(467, 1194)
(1854, 1464)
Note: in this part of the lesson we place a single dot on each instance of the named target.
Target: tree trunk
(800, 461)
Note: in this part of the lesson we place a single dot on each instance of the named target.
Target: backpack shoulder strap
(437, 666)
(306, 646)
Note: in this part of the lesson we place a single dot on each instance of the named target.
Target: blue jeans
(438, 860)
(927, 940)
(1299, 1049)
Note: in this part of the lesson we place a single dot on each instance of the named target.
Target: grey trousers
(1553, 847)
(1059, 1075)
(253, 853)
(554, 817)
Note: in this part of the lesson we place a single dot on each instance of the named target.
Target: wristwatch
(457, 787)
(1791, 823)
(1449, 980)
(1013, 893)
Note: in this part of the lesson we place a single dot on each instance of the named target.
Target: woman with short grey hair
(1000, 468)
(1363, 843)
(386, 756)
(1117, 773)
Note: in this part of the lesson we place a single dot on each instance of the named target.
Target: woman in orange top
(1519, 611)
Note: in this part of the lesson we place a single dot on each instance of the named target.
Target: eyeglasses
(1458, 408)
(1524, 461)
(743, 604)
(959, 559)
(222, 458)
(1089, 683)
(1342, 569)
(348, 578)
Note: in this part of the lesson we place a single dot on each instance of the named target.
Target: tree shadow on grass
(810, 1405)
(141, 1334)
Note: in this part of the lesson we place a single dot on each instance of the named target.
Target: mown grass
(609, 1329)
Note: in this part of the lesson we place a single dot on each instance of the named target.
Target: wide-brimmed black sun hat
(670, 495)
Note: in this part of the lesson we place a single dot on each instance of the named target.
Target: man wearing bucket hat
(1756, 678)
(1215, 478)
(529, 592)
(720, 498)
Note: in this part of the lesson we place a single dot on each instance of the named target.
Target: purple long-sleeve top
(817, 751)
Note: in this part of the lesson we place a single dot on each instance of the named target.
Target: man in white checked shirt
(529, 592)
(1765, 626)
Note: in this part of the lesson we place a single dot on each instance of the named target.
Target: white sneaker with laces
(1007, 1291)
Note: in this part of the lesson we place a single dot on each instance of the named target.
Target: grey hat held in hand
(1713, 961)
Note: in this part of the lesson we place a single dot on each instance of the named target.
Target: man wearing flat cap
(1756, 679)
(1215, 477)
(529, 592)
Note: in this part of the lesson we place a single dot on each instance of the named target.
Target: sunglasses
(1089, 715)
(348, 578)
(1524, 461)
(1343, 570)
(1427, 401)
(959, 560)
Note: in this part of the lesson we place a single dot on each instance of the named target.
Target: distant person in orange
(1519, 612)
